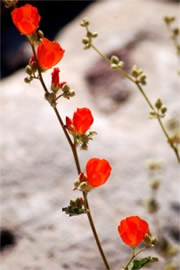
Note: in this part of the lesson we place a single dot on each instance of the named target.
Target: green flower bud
(84, 146)
(94, 35)
(155, 183)
(65, 88)
(158, 104)
(83, 186)
(40, 34)
(85, 40)
(85, 22)
(76, 183)
(28, 70)
(168, 19)
(115, 60)
(27, 79)
(163, 109)
(71, 93)
(152, 206)
(87, 46)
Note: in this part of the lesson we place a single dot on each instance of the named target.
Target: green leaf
(138, 264)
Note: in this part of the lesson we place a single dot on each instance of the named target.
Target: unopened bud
(27, 79)
(83, 186)
(155, 184)
(158, 104)
(115, 59)
(85, 22)
(71, 93)
(85, 40)
(84, 146)
(163, 109)
(28, 70)
(40, 34)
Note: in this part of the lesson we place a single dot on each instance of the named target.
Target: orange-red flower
(26, 19)
(81, 122)
(49, 53)
(55, 84)
(132, 230)
(98, 171)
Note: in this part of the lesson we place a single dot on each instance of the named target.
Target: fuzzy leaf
(138, 264)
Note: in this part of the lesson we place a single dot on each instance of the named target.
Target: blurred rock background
(37, 169)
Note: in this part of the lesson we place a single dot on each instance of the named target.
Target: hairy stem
(77, 163)
(124, 73)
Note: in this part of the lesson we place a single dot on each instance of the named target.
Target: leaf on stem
(138, 264)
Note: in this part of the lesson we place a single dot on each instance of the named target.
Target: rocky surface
(37, 169)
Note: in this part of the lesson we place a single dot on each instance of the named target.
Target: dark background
(54, 15)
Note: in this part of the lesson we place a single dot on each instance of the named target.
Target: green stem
(77, 163)
(94, 231)
(175, 149)
(134, 254)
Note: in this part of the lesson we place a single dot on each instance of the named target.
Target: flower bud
(28, 70)
(76, 183)
(163, 109)
(155, 184)
(27, 79)
(40, 34)
(87, 46)
(85, 22)
(115, 59)
(71, 93)
(83, 186)
(84, 146)
(168, 19)
(85, 40)
(158, 103)
(10, 3)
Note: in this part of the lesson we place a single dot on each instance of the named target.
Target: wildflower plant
(46, 54)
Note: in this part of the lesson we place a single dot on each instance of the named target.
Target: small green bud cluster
(83, 139)
(139, 75)
(75, 207)
(152, 205)
(161, 109)
(174, 32)
(116, 63)
(51, 98)
(10, 3)
(169, 19)
(150, 240)
(81, 184)
(31, 69)
(67, 91)
(36, 37)
(155, 184)
(154, 165)
(85, 22)
(87, 40)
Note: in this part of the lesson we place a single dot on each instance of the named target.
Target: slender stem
(124, 73)
(144, 95)
(134, 254)
(77, 163)
(175, 149)
(94, 231)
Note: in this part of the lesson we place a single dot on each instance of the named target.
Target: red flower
(132, 230)
(98, 171)
(49, 53)
(81, 122)
(26, 19)
(55, 84)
